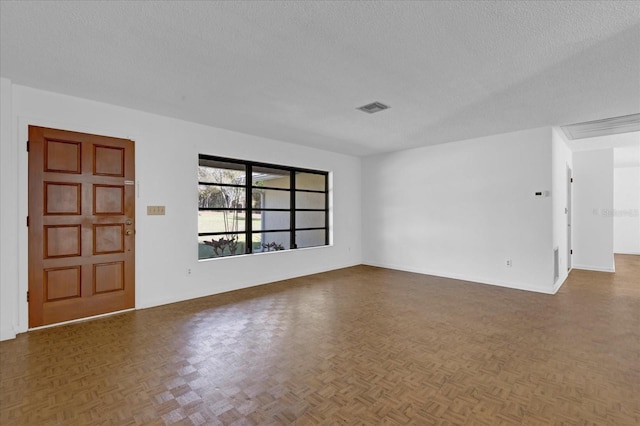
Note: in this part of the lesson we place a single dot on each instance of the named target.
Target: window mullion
(326, 209)
(248, 213)
(292, 206)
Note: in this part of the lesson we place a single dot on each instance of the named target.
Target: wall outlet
(155, 210)
(509, 262)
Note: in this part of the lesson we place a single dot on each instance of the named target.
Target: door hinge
(27, 146)
(27, 297)
(27, 220)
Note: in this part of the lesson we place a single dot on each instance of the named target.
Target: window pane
(310, 181)
(223, 198)
(221, 172)
(219, 197)
(310, 238)
(221, 221)
(271, 241)
(310, 200)
(266, 220)
(309, 219)
(275, 178)
(221, 246)
(256, 219)
(270, 199)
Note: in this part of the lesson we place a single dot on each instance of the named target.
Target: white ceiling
(296, 71)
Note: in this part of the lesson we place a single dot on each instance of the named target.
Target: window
(246, 207)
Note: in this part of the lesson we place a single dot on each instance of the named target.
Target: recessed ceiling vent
(604, 127)
(374, 107)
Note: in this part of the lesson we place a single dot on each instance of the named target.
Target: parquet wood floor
(357, 346)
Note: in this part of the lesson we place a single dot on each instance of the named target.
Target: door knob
(128, 222)
(128, 232)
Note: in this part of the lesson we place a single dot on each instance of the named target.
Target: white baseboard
(594, 268)
(635, 253)
(268, 280)
(479, 280)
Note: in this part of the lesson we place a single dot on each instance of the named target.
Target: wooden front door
(81, 225)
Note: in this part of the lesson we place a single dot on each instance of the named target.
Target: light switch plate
(155, 210)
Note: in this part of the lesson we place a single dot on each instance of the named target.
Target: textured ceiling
(296, 71)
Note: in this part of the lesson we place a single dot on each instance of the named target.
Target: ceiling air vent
(604, 127)
(374, 107)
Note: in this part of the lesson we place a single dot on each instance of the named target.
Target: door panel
(108, 199)
(81, 225)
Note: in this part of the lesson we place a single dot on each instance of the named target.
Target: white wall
(561, 159)
(626, 207)
(166, 171)
(8, 217)
(592, 210)
(462, 209)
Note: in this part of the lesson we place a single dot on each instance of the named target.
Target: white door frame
(568, 214)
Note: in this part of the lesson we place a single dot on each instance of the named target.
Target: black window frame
(248, 209)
